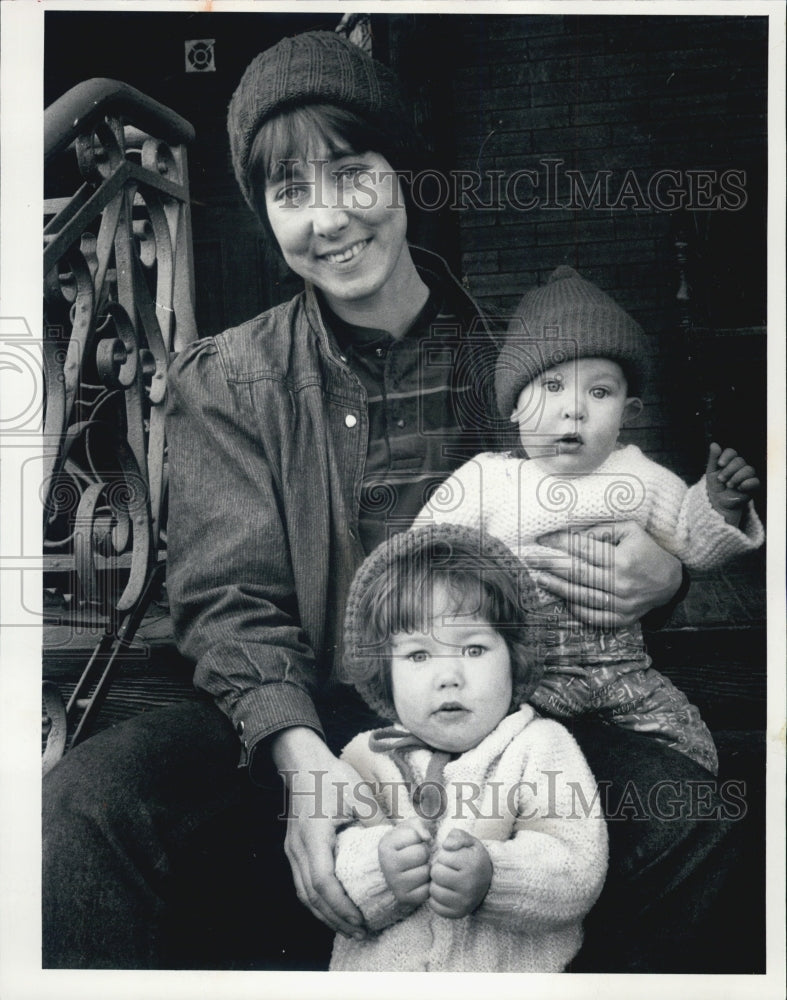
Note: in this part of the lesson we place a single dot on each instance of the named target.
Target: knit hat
(565, 319)
(311, 68)
(413, 556)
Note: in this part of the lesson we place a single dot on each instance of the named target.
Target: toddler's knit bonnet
(436, 546)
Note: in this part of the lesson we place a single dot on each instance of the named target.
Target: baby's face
(452, 683)
(569, 416)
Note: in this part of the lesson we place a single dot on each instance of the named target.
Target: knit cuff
(507, 890)
(358, 869)
(541, 897)
(723, 541)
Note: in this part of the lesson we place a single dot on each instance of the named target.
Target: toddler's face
(569, 416)
(452, 683)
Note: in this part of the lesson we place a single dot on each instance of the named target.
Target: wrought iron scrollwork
(118, 304)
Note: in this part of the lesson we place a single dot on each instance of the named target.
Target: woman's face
(341, 223)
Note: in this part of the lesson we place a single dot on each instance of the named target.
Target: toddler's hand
(730, 482)
(461, 875)
(404, 859)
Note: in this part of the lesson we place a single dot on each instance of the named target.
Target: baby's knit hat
(567, 318)
(435, 547)
(311, 68)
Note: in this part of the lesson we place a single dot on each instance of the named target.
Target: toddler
(569, 374)
(484, 844)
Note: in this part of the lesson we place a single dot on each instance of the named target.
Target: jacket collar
(427, 263)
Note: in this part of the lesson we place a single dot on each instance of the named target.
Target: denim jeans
(160, 853)
(685, 888)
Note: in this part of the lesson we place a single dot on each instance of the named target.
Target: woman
(297, 442)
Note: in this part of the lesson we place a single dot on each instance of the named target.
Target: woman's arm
(321, 798)
(337, 868)
(229, 574)
(616, 573)
(615, 576)
(235, 612)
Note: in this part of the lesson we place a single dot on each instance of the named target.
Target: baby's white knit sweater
(515, 500)
(527, 793)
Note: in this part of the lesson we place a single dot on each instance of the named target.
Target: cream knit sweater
(515, 500)
(527, 793)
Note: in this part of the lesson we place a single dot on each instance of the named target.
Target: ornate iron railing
(118, 304)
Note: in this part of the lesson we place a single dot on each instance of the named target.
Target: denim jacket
(267, 433)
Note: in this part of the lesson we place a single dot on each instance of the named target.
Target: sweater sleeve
(551, 871)
(358, 869)
(683, 521)
(357, 858)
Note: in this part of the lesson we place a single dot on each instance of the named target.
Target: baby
(569, 374)
(484, 845)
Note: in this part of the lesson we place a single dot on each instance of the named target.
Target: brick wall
(618, 99)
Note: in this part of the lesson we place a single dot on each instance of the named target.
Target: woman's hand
(321, 798)
(404, 860)
(615, 575)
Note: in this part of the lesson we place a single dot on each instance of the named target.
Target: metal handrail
(86, 104)
(118, 304)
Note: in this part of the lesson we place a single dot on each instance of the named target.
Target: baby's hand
(404, 859)
(730, 482)
(461, 875)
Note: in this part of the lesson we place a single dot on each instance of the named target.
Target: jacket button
(351, 420)
(240, 728)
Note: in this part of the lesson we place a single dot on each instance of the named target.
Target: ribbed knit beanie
(420, 552)
(311, 68)
(567, 318)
